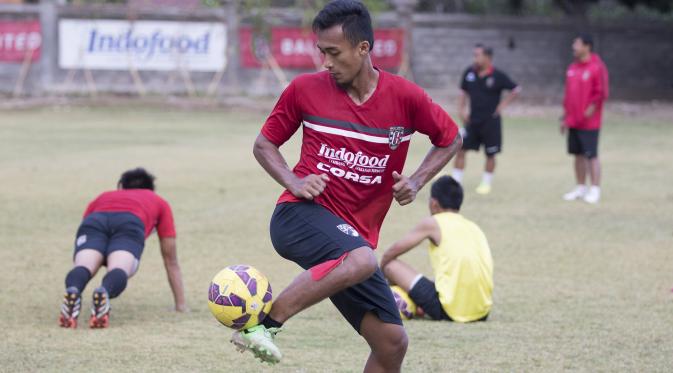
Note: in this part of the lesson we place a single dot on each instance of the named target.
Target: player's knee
(395, 345)
(362, 264)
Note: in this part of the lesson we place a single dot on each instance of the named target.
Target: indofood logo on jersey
(352, 166)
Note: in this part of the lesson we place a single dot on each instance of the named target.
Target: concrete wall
(535, 52)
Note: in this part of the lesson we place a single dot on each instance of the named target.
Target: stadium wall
(535, 52)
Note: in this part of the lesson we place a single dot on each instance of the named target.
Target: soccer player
(460, 257)
(356, 122)
(585, 92)
(483, 85)
(113, 234)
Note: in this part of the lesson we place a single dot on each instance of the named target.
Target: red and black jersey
(152, 210)
(357, 146)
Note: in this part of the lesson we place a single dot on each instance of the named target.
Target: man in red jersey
(357, 122)
(585, 92)
(113, 233)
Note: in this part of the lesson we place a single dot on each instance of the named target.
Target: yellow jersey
(463, 268)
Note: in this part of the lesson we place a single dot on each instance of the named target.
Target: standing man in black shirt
(483, 85)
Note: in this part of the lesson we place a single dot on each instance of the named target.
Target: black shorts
(106, 232)
(583, 142)
(487, 133)
(309, 234)
(425, 295)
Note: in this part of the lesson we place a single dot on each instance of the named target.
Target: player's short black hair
(487, 50)
(137, 178)
(353, 17)
(448, 193)
(586, 39)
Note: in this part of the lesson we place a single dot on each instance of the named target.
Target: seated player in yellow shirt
(460, 258)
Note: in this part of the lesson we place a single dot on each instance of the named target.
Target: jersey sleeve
(285, 118)
(165, 224)
(507, 83)
(431, 120)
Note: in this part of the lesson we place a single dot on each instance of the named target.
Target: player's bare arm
(169, 254)
(511, 96)
(406, 188)
(426, 229)
(269, 157)
(462, 105)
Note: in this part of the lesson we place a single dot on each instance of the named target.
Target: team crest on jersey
(490, 81)
(586, 75)
(395, 137)
(347, 229)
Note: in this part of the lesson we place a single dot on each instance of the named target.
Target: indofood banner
(141, 45)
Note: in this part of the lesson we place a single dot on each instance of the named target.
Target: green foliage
(641, 12)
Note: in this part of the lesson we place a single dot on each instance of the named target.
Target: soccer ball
(239, 297)
(404, 303)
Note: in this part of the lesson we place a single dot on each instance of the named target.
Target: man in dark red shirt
(585, 92)
(113, 233)
(356, 122)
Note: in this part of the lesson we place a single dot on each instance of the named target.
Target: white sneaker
(593, 195)
(577, 193)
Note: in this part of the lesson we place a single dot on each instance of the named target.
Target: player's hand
(310, 186)
(404, 189)
(497, 112)
(563, 128)
(589, 112)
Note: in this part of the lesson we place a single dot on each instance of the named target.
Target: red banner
(20, 40)
(295, 48)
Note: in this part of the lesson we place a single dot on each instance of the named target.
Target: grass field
(577, 287)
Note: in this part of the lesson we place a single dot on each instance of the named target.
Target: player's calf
(388, 343)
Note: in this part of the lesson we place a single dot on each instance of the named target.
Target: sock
(595, 189)
(115, 282)
(457, 175)
(268, 322)
(487, 178)
(581, 188)
(78, 277)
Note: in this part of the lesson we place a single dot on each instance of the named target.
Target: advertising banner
(141, 45)
(20, 40)
(295, 48)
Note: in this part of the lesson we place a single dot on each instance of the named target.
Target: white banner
(141, 45)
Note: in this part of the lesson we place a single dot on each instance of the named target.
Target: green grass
(577, 287)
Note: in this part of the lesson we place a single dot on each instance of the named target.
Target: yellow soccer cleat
(483, 188)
